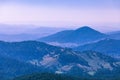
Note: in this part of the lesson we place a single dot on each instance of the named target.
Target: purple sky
(98, 13)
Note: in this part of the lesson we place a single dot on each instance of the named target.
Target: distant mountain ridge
(114, 35)
(25, 32)
(81, 35)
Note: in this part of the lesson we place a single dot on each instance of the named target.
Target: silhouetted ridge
(108, 46)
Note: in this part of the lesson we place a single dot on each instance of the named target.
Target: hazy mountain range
(25, 32)
(85, 53)
(52, 35)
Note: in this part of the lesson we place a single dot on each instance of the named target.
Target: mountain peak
(84, 28)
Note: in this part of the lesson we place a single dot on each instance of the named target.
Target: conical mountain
(81, 35)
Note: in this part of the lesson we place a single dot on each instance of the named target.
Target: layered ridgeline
(58, 60)
(25, 32)
(76, 37)
(107, 46)
(114, 35)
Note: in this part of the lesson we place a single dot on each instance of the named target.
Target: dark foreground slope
(51, 76)
(46, 76)
(11, 67)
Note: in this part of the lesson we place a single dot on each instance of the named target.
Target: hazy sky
(61, 12)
